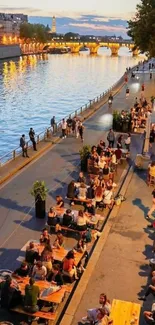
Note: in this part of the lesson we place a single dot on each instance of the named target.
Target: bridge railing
(44, 135)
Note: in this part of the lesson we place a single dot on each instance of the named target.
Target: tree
(142, 27)
(36, 32)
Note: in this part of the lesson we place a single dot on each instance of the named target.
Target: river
(34, 88)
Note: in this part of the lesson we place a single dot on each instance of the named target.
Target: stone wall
(9, 51)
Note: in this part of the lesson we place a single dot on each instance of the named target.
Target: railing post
(81, 110)
(86, 106)
(76, 113)
(37, 138)
(14, 154)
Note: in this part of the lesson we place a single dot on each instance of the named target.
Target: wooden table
(55, 297)
(61, 211)
(58, 254)
(125, 313)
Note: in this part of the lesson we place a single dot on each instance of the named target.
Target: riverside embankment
(57, 167)
(9, 51)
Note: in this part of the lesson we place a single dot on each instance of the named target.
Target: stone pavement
(123, 268)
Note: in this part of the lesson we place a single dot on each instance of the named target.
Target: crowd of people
(71, 126)
(43, 267)
(139, 112)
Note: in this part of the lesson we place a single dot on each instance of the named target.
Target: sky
(98, 17)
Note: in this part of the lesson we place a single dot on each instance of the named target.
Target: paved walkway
(123, 267)
(56, 167)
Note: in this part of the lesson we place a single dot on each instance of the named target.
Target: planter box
(40, 209)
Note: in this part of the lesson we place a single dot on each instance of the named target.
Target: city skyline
(101, 18)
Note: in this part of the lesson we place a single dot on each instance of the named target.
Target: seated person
(45, 237)
(94, 155)
(106, 170)
(32, 294)
(90, 191)
(108, 197)
(92, 313)
(111, 183)
(71, 190)
(32, 253)
(59, 241)
(22, 271)
(67, 218)
(59, 202)
(69, 267)
(80, 246)
(47, 258)
(108, 152)
(118, 153)
(113, 159)
(98, 195)
(55, 276)
(82, 192)
(10, 294)
(81, 178)
(149, 317)
(100, 147)
(39, 271)
(102, 160)
(151, 169)
(89, 207)
(81, 222)
(52, 217)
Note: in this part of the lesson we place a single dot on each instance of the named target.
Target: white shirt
(64, 125)
(39, 273)
(128, 140)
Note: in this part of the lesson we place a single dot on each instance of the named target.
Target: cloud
(93, 27)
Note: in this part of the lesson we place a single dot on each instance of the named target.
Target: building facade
(10, 25)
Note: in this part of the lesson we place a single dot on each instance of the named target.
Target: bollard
(14, 154)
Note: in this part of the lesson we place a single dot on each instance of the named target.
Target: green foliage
(39, 190)
(35, 32)
(142, 27)
(84, 152)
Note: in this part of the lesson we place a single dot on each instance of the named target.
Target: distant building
(10, 24)
(53, 30)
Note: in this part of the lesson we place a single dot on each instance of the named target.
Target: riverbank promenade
(125, 244)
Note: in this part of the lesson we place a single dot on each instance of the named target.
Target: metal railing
(44, 135)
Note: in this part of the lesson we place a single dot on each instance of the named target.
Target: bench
(41, 314)
(124, 312)
(76, 199)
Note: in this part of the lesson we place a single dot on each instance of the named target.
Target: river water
(34, 88)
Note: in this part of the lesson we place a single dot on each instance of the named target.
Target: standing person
(119, 141)
(32, 138)
(32, 294)
(111, 138)
(127, 92)
(153, 206)
(143, 87)
(69, 125)
(53, 125)
(23, 146)
(77, 128)
(81, 128)
(128, 142)
(74, 125)
(64, 127)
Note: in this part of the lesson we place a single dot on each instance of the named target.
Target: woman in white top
(108, 196)
(102, 161)
(82, 191)
(128, 142)
(81, 221)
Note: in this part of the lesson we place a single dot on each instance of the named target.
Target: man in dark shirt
(22, 271)
(32, 294)
(10, 295)
(32, 253)
(32, 138)
(55, 276)
(23, 145)
(67, 218)
(89, 207)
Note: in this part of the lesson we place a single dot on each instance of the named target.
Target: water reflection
(34, 88)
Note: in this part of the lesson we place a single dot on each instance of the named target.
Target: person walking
(64, 127)
(23, 145)
(32, 138)
(128, 142)
(111, 138)
(81, 128)
(53, 125)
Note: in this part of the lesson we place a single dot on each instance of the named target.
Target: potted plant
(39, 191)
(84, 154)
